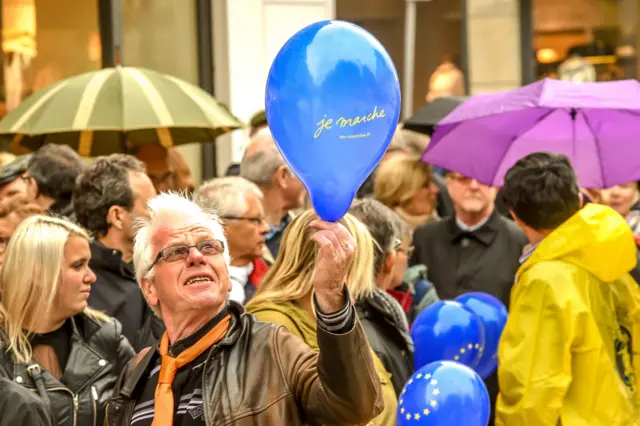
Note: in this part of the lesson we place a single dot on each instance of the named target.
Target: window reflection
(44, 41)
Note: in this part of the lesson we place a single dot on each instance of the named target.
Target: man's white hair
(167, 208)
(226, 195)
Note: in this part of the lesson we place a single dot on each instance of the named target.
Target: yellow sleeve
(277, 317)
(534, 356)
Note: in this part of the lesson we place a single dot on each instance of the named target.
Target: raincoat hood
(596, 238)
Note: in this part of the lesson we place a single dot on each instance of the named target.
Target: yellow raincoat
(569, 351)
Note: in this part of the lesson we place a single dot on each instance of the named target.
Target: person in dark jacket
(109, 196)
(477, 249)
(19, 406)
(383, 319)
(51, 342)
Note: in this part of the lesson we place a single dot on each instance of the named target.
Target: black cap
(17, 167)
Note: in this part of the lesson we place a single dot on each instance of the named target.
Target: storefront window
(438, 41)
(162, 35)
(44, 41)
(586, 40)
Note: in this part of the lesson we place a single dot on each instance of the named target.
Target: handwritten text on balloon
(342, 122)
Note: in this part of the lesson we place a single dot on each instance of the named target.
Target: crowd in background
(75, 308)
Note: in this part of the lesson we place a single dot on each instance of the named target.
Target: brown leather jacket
(261, 375)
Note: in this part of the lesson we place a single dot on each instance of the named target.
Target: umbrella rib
(88, 100)
(153, 97)
(597, 140)
(36, 106)
(630, 112)
(538, 121)
(518, 135)
(208, 110)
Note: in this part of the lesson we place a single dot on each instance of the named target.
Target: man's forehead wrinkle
(166, 233)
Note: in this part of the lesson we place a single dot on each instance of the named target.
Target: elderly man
(283, 192)
(238, 202)
(475, 250)
(109, 196)
(216, 365)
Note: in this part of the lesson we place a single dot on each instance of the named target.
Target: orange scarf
(163, 414)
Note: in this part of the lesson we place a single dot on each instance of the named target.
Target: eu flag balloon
(332, 104)
(493, 315)
(447, 330)
(444, 393)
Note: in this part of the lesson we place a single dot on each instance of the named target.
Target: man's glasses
(255, 220)
(177, 253)
(398, 247)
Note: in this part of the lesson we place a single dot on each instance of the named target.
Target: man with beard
(477, 249)
(109, 196)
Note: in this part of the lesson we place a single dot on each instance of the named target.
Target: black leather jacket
(98, 353)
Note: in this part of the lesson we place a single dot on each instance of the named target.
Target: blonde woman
(404, 184)
(51, 342)
(285, 294)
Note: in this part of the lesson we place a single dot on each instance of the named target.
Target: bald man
(167, 169)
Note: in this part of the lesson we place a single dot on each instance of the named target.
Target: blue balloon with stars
(447, 330)
(493, 315)
(444, 393)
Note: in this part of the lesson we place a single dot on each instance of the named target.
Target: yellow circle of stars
(463, 350)
(433, 403)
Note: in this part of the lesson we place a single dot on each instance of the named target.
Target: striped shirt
(187, 384)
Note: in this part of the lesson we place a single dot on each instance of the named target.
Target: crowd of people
(129, 296)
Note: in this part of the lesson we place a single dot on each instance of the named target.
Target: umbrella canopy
(431, 113)
(113, 109)
(597, 125)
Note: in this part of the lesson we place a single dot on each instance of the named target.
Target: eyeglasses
(255, 220)
(177, 253)
(398, 247)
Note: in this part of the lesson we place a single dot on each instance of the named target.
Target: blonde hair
(289, 279)
(399, 178)
(30, 278)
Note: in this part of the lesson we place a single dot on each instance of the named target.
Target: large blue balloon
(447, 330)
(332, 104)
(444, 393)
(493, 315)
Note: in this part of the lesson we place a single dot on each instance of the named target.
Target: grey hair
(259, 166)
(165, 208)
(380, 221)
(226, 195)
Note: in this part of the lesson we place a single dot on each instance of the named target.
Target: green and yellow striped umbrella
(114, 109)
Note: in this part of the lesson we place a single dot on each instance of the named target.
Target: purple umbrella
(597, 125)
